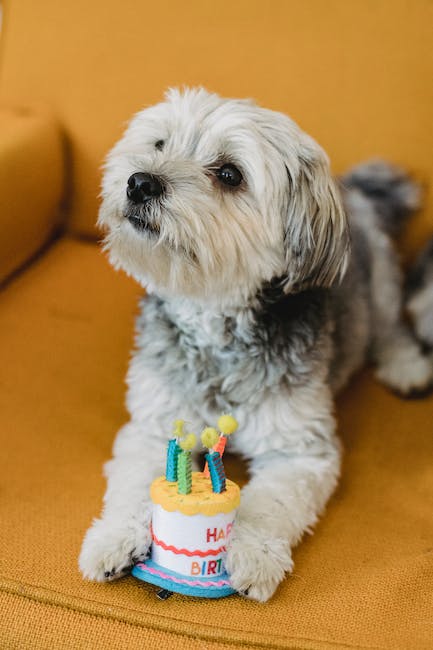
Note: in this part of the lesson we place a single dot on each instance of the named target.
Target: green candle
(184, 472)
(184, 465)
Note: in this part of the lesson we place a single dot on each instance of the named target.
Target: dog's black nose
(143, 187)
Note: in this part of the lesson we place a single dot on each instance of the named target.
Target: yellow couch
(357, 75)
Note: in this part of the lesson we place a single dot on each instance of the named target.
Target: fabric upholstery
(356, 75)
(46, 626)
(363, 580)
(31, 184)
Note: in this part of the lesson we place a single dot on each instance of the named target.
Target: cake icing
(201, 499)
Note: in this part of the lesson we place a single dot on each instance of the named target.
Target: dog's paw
(110, 549)
(406, 371)
(420, 309)
(256, 562)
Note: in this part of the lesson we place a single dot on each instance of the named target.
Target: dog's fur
(256, 307)
(419, 295)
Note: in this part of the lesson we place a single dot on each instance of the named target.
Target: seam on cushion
(16, 588)
(55, 237)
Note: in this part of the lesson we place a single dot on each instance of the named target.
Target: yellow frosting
(201, 500)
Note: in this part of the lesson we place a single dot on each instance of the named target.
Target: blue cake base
(209, 587)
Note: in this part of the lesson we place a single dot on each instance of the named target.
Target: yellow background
(355, 74)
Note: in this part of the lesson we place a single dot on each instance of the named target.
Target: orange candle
(219, 447)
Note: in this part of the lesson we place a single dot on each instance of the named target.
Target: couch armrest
(31, 184)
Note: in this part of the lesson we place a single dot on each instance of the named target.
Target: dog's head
(212, 198)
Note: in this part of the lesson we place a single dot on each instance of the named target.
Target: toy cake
(192, 516)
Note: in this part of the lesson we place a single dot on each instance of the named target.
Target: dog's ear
(316, 234)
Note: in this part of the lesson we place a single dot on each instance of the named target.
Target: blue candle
(216, 470)
(173, 452)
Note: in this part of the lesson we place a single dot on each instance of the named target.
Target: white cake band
(193, 545)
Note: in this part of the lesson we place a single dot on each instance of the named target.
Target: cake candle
(227, 425)
(214, 466)
(184, 465)
(173, 450)
(216, 470)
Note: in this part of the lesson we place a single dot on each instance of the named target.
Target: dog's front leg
(122, 534)
(289, 488)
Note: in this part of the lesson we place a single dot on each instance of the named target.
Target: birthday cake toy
(192, 516)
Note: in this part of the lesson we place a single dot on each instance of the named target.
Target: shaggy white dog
(258, 306)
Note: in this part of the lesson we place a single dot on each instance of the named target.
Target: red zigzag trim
(184, 551)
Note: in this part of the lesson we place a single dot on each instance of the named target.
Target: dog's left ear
(317, 242)
(316, 234)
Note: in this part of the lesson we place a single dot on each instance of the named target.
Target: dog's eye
(229, 175)
(159, 144)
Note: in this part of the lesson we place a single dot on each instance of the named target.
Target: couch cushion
(356, 75)
(363, 580)
(31, 184)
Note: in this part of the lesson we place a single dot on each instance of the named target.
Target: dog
(268, 284)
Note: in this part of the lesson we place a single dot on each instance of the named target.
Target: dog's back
(379, 198)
